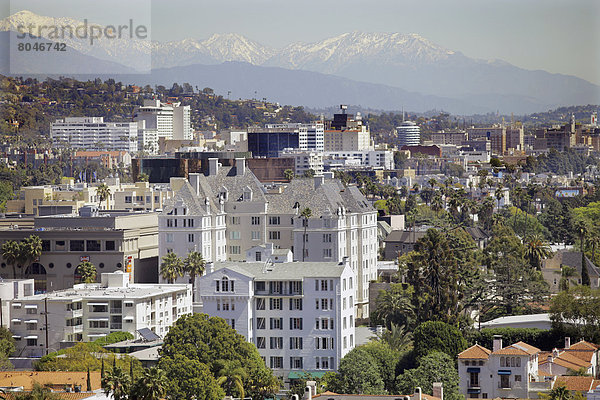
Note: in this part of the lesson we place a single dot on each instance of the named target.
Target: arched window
(38, 273)
(518, 361)
(225, 284)
(502, 363)
(513, 363)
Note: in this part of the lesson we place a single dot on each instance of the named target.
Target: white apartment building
(305, 161)
(192, 223)
(299, 315)
(168, 120)
(92, 133)
(343, 224)
(363, 158)
(12, 289)
(87, 312)
(409, 134)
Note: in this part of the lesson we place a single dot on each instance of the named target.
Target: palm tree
(87, 272)
(288, 174)
(397, 337)
(393, 307)
(499, 194)
(194, 265)
(566, 273)
(536, 249)
(103, 193)
(10, 254)
(171, 267)
(432, 182)
(231, 376)
(305, 215)
(559, 392)
(594, 242)
(437, 203)
(152, 385)
(117, 383)
(32, 249)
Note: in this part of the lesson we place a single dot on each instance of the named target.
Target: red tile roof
(475, 352)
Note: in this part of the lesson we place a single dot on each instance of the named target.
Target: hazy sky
(560, 36)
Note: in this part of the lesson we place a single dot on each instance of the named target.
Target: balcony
(116, 310)
(116, 326)
(69, 330)
(74, 314)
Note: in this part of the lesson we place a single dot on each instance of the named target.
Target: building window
(276, 343)
(234, 235)
(255, 235)
(31, 342)
(295, 323)
(276, 362)
(275, 304)
(260, 323)
(474, 379)
(234, 249)
(295, 343)
(260, 342)
(93, 245)
(260, 303)
(324, 285)
(274, 235)
(505, 381)
(295, 304)
(327, 253)
(517, 378)
(110, 245)
(327, 238)
(255, 220)
(98, 324)
(191, 237)
(235, 220)
(274, 221)
(224, 284)
(296, 362)
(76, 245)
(169, 238)
(276, 323)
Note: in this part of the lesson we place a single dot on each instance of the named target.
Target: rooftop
(281, 271)
(26, 379)
(475, 352)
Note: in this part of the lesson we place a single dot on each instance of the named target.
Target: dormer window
(247, 196)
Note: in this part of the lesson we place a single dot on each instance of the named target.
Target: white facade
(509, 372)
(305, 161)
(12, 289)
(93, 133)
(409, 134)
(364, 158)
(90, 311)
(168, 120)
(299, 315)
(311, 136)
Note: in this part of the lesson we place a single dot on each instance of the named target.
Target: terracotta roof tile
(56, 378)
(511, 351)
(583, 345)
(575, 383)
(527, 347)
(477, 352)
(574, 359)
(585, 355)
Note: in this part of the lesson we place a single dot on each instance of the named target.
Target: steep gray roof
(282, 271)
(235, 185)
(327, 197)
(194, 203)
(573, 259)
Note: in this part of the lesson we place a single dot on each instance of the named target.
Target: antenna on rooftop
(402, 113)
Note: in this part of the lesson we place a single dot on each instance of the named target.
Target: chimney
(213, 166)
(567, 342)
(418, 394)
(438, 390)
(319, 180)
(240, 166)
(194, 180)
(550, 361)
(310, 390)
(207, 205)
(497, 342)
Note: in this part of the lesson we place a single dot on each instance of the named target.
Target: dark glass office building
(269, 142)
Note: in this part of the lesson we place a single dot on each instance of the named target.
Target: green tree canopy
(433, 336)
(358, 373)
(434, 367)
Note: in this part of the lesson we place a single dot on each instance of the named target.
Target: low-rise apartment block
(46, 322)
(299, 315)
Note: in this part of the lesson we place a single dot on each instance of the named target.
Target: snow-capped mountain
(399, 61)
(331, 55)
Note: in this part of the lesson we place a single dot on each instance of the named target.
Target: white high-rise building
(92, 133)
(169, 120)
(299, 315)
(310, 135)
(409, 134)
(90, 311)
